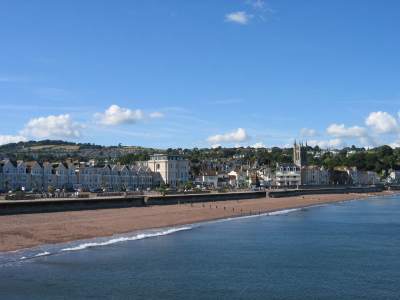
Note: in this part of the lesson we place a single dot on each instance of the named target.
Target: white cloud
(395, 144)
(259, 145)
(379, 125)
(333, 143)
(308, 132)
(239, 17)
(115, 115)
(340, 131)
(6, 139)
(60, 126)
(256, 4)
(156, 115)
(237, 136)
(368, 142)
(262, 11)
(382, 122)
(215, 146)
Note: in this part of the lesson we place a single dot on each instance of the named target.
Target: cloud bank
(116, 115)
(236, 136)
(61, 126)
(379, 127)
(7, 139)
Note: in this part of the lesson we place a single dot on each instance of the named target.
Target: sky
(175, 73)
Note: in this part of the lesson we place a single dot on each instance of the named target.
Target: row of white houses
(37, 176)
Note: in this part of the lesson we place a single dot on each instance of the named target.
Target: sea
(347, 250)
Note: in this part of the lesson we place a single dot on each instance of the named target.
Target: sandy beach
(30, 230)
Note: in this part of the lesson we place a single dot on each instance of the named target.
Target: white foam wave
(138, 236)
(41, 254)
(255, 215)
(272, 213)
(284, 211)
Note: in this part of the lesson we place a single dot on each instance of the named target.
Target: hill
(51, 150)
(378, 159)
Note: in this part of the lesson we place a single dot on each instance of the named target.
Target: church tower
(300, 154)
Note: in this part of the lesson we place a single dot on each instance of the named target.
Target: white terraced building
(287, 175)
(40, 176)
(172, 169)
(314, 175)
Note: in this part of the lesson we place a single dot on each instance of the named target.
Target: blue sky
(201, 73)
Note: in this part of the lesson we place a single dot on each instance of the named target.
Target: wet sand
(30, 230)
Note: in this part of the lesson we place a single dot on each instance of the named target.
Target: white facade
(9, 175)
(49, 179)
(370, 178)
(314, 175)
(173, 169)
(35, 176)
(363, 177)
(105, 178)
(287, 175)
(238, 179)
(40, 177)
(61, 175)
(21, 175)
(394, 177)
(208, 180)
(266, 176)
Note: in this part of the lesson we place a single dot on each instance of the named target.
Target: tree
(50, 189)
(163, 189)
(188, 185)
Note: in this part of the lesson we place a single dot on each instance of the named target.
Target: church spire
(299, 154)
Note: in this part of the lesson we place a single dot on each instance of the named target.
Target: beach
(30, 230)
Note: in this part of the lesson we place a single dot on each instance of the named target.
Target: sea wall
(57, 205)
(343, 190)
(193, 198)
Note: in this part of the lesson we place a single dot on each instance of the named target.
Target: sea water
(346, 250)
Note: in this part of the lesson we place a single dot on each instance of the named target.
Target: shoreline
(24, 232)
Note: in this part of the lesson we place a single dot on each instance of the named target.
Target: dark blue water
(342, 251)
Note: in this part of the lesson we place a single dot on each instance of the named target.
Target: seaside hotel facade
(172, 169)
(69, 175)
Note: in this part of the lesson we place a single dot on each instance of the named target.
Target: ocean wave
(256, 215)
(271, 213)
(45, 253)
(135, 237)
(284, 211)
(40, 254)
